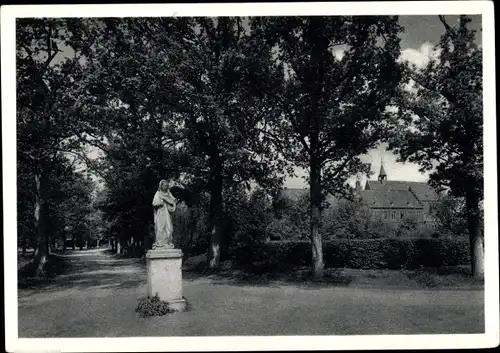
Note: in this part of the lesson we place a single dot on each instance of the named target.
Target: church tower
(382, 176)
(358, 188)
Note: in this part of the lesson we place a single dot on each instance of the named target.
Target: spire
(382, 176)
(358, 184)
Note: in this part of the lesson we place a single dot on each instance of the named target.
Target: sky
(420, 35)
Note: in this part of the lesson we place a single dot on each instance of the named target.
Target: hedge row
(366, 254)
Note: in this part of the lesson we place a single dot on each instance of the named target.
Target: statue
(163, 205)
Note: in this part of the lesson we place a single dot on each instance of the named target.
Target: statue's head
(164, 185)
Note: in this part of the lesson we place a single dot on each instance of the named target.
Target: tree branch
(339, 168)
(88, 162)
(445, 94)
(450, 30)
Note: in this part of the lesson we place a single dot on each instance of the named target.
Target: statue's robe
(163, 205)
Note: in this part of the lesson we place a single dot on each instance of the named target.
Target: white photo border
(8, 70)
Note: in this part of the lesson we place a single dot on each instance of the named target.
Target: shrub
(407, 227)
(399, 253)
(282, 229)
(349, 220)
(152, 306)
(449, 212)
(394, 253)
(354, 220)
(189, 229)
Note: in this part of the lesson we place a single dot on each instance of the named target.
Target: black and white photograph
(249, 176)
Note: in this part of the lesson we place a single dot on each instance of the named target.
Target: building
(392, 200)
(395, 200)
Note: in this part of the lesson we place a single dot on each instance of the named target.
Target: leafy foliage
(451, 215)
(354, 220)
(69, 204)
(152, 306)
(406, 227)
(251, 218)
(177, 100)
(222, 108)
(49, 91)
(439, 123)
(440, 119)
(337, 76)
(394, 253)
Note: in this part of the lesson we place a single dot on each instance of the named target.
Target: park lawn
(98, 297)
(452, 277)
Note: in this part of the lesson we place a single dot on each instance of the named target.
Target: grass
(457, 277)
(55, 265)
(98, 295)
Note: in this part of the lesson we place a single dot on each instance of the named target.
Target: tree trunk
(475, 237)
(147, 243)
(215, 219)
(74, 243)
(137, 247)
(25, 244)
(52, 246)
(191, 229)
(63, 240)
(42, 246)
(315, 216)
(119, 246)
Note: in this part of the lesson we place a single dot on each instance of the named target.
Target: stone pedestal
(165, 276)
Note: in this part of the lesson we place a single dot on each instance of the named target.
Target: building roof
(381, 198)
(389, 194)
(423, 191)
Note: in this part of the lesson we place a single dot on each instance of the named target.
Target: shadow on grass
(127, 254)
(84, 281)
(109, 252)
(449, 276)
(56, 265)
(264, 275)
(75, 272)
(275, 274)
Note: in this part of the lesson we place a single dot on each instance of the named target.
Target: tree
(47, 94)
(338, 75)
(129, 75)
(451, 215)
(249, 218)
(219, 112)
(439, 124)
(71, 201)
(68, 202)
(178, 96)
